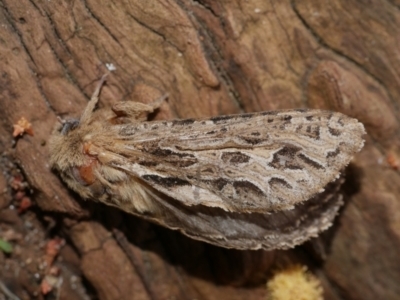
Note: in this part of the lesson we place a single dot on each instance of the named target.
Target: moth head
(67, 125)
(64, 145)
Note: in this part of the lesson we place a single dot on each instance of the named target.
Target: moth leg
(159, 101)
(135, 110)
(104, 157)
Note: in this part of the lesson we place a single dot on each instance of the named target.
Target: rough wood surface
(213, 58)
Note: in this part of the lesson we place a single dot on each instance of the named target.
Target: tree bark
(212, 58)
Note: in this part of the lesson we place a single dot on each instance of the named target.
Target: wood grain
(213, 58)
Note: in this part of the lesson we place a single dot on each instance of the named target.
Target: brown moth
(250, 181)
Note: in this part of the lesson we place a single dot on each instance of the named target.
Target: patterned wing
(246, 163)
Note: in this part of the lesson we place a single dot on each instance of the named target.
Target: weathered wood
(212, 57)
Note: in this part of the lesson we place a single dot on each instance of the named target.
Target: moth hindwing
(262, 180)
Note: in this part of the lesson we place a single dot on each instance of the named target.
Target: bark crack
(100, 22)
(211, 50)
(31, 62)
(322, 42)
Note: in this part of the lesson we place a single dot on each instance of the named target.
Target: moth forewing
(232, 164)
(205, 176)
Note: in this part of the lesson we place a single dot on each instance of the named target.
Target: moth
(263, 180)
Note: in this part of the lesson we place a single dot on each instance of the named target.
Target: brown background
(213, 58)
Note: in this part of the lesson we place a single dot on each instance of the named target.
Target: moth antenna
(93, 101)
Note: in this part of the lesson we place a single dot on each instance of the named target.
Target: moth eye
(68, 125)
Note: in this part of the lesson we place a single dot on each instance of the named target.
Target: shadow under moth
(263, 180)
